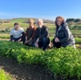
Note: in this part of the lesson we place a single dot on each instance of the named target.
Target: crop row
(63, 62)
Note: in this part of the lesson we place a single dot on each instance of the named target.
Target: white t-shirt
(16, 33)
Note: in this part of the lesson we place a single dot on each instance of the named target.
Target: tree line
(45, 21)
(73, 20)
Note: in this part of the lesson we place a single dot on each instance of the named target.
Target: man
(17, 33)
(41, 37)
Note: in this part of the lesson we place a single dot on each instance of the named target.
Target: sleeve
(55, 33)
(67, 34)
(11, 32)
(27, 32)
(11, 37)
(34, 33)
(22, 30)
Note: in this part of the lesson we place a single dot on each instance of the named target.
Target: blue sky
(46, 9)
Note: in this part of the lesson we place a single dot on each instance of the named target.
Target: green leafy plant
(63, 62)
(3, 76)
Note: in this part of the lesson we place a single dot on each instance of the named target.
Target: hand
(36, 45)
(26, 42)
(37, 40)
(12, 40)
(19, 40)
(57, 40)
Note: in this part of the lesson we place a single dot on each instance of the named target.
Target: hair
(31, 20)
(60, 17)
(40, 20)
(16, 24)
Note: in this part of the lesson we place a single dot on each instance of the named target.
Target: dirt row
(24, 72)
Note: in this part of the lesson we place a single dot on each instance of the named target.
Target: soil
(24, 72)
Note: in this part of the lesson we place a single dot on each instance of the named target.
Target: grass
(3, 26)
(78, 40)
(17, 20)
(51, 28)
(76, 32)
(4, 36)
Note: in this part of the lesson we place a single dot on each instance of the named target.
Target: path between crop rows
(4, 39)
(24, 72)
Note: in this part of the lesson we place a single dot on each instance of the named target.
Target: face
(39, 24)
(59, 21)
(16, 27)
(31, 24)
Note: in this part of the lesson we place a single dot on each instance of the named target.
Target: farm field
(26, 63)
(40, 40)
(63, 63)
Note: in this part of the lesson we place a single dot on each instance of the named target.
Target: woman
(63, 35)
(30, 33)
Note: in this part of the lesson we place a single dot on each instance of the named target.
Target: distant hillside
(70, 21)
(22, 20)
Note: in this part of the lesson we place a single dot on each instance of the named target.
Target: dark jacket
(65, 36)
(41, 33)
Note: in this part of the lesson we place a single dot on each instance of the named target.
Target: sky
(45, 9)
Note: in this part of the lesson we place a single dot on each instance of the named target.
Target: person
(42, 37)
(30, 33)
(63, 36)
(17, 33)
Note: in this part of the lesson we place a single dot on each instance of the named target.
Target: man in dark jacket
(63, 35)
(41, 37)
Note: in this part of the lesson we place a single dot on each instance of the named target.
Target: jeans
(16, 39)
(43, 43)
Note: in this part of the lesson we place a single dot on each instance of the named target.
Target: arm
(34, 33)
(67, 34)
(26, 34)
(11, 35)
(22, 37)
(56, 33)
(11, 38)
